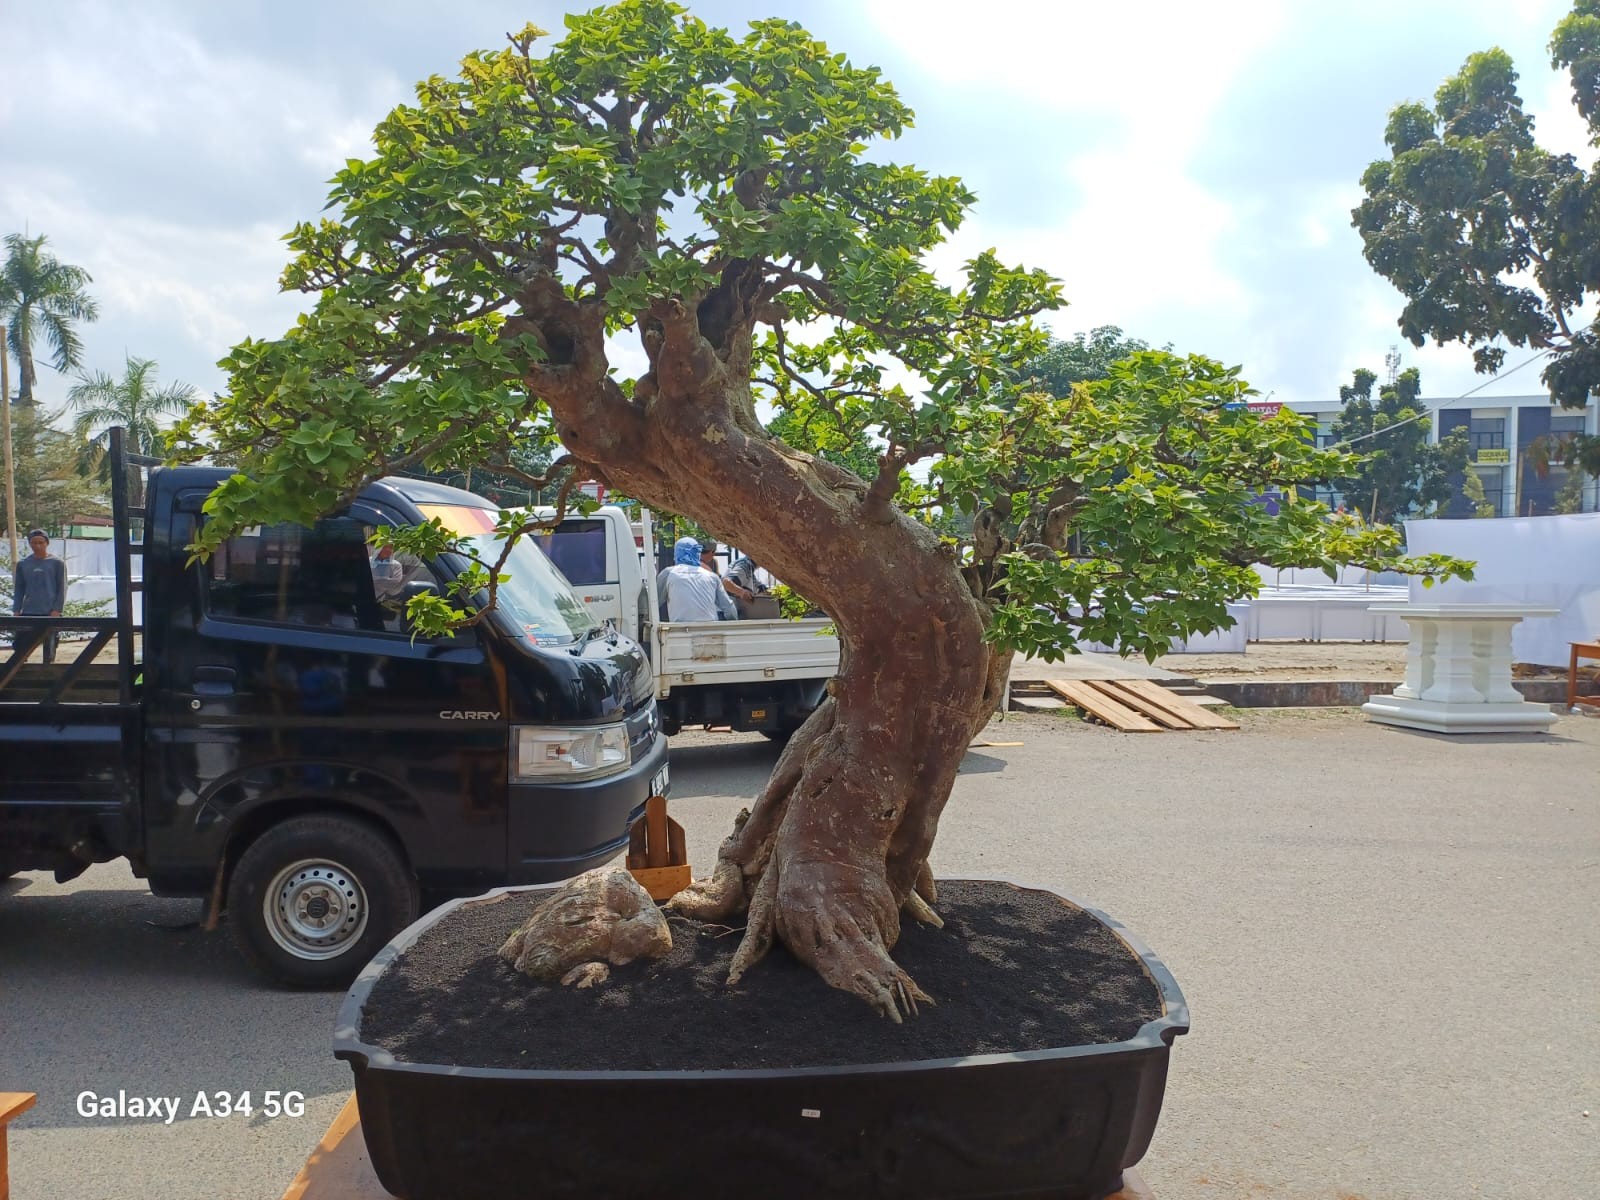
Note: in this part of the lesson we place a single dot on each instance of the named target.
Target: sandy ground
(1296, 660)
(1263, 660)
(1322, 660)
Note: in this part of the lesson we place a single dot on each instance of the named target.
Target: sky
(1186, 170)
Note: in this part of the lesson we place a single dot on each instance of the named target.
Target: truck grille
(643, 725)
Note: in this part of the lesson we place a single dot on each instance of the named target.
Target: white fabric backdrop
(92, 569)
(1548, 562)
(90, 556)
(91, 573)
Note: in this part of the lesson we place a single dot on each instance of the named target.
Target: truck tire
(313, 899)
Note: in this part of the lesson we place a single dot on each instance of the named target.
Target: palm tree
(39, 294)
(135, 403)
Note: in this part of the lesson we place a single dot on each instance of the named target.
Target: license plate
(659, 785)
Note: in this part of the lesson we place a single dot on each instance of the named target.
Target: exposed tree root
(926, 887)
(759, 928)
(719, 896)
(743, 855)
(841, 921)
(915, 906)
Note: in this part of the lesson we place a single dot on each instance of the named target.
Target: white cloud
(230, 110)
(169, 290)
(1324, 214)
(1108, 146)
(1132, 100)
(1166, 66)
(1556, 122)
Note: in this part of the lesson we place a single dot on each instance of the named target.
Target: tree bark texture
(836, 847)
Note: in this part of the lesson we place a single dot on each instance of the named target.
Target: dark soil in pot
(1012, 970)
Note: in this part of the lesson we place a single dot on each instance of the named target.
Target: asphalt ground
(1388, 942)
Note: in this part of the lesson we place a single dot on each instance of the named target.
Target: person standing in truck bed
(688, 591)
(708, 560)
(39, 587)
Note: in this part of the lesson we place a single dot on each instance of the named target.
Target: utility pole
(10, 467)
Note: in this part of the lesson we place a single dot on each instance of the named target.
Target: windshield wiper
(586, 637)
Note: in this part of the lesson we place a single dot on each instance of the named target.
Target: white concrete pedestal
(1458, 671)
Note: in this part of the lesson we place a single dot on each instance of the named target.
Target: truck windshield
(578, 548)
(537, 599)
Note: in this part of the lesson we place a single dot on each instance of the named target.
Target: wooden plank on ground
(1158, 713)
(12, 1105)
(339, 1168)
(1098, 704)
(1154, 696)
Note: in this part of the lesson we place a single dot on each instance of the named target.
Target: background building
(1507, 434)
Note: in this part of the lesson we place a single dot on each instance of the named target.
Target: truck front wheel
(313, 899)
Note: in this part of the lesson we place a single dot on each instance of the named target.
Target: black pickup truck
(272, 737)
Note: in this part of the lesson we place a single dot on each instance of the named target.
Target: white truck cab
(756, 675)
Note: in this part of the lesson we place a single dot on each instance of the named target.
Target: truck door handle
(214, 681)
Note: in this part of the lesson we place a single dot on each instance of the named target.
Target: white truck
(758, 675)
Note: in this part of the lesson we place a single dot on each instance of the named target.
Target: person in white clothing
(391, 572)
(688, 591)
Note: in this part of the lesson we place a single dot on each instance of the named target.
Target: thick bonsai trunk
(836, 847)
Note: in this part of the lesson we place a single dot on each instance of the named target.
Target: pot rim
(1156, 1034)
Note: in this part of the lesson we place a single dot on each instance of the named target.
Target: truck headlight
(588, 752)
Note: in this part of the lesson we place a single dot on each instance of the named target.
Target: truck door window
(324, 575)
(578, 549)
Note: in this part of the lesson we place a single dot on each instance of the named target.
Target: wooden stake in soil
(658, 854)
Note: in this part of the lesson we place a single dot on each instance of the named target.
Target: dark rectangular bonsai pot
(1060, 1124)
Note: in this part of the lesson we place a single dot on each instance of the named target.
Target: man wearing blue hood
(688, 591)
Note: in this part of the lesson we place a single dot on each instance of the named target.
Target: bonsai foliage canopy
(648, 167)
(615, 251)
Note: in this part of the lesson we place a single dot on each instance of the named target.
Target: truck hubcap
(315, 909)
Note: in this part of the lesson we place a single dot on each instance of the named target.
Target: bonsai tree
(717, 209)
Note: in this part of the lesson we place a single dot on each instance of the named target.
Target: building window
(1488, 433)
(1563, 431)
(1566, 425)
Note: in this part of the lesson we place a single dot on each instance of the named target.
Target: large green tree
(1081, 358)
(137, 403)
(51, 492)
(1401, 473)
(724, 202)
(41, 296)
(1492, 239)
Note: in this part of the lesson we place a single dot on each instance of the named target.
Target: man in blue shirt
(39, 587)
